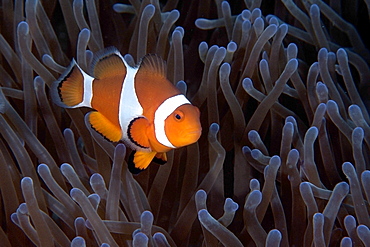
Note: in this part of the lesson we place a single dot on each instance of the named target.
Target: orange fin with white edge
(153, 65)
(108, 63)
(139, 161)
(68, 90)
(136, 133)
(160, 158)
(105, 127)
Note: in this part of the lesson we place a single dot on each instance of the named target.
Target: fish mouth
(187, 137)
(192, 134)
(195, 132)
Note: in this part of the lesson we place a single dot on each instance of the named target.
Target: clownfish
(136, 105)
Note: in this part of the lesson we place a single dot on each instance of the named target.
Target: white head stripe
(163, 111)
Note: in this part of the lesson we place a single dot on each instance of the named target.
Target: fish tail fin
(68, 90)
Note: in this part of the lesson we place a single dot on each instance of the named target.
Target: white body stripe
(129, 105)
(88, 93)
(163, 111)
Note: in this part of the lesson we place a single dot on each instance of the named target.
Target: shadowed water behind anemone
(283, 94)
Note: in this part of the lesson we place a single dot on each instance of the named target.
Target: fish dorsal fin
(108, 63)
(153, 64)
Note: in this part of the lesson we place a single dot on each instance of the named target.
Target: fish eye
(179, 115)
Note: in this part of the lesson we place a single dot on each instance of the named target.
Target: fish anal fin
(108, 63)
(105, 127)
(160, 158)
(70, 86)
(137, 132)
(153, 65)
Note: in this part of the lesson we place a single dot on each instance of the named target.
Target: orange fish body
(137, 105)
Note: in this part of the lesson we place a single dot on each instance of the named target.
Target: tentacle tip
(247, 84)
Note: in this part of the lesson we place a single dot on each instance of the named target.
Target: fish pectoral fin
(137, 132)
(160, 158)
(139, 161)
(105, 127)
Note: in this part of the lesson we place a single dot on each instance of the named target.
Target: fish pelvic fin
(160, 158)
(139, 161)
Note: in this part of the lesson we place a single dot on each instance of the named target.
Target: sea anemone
(283, 94)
